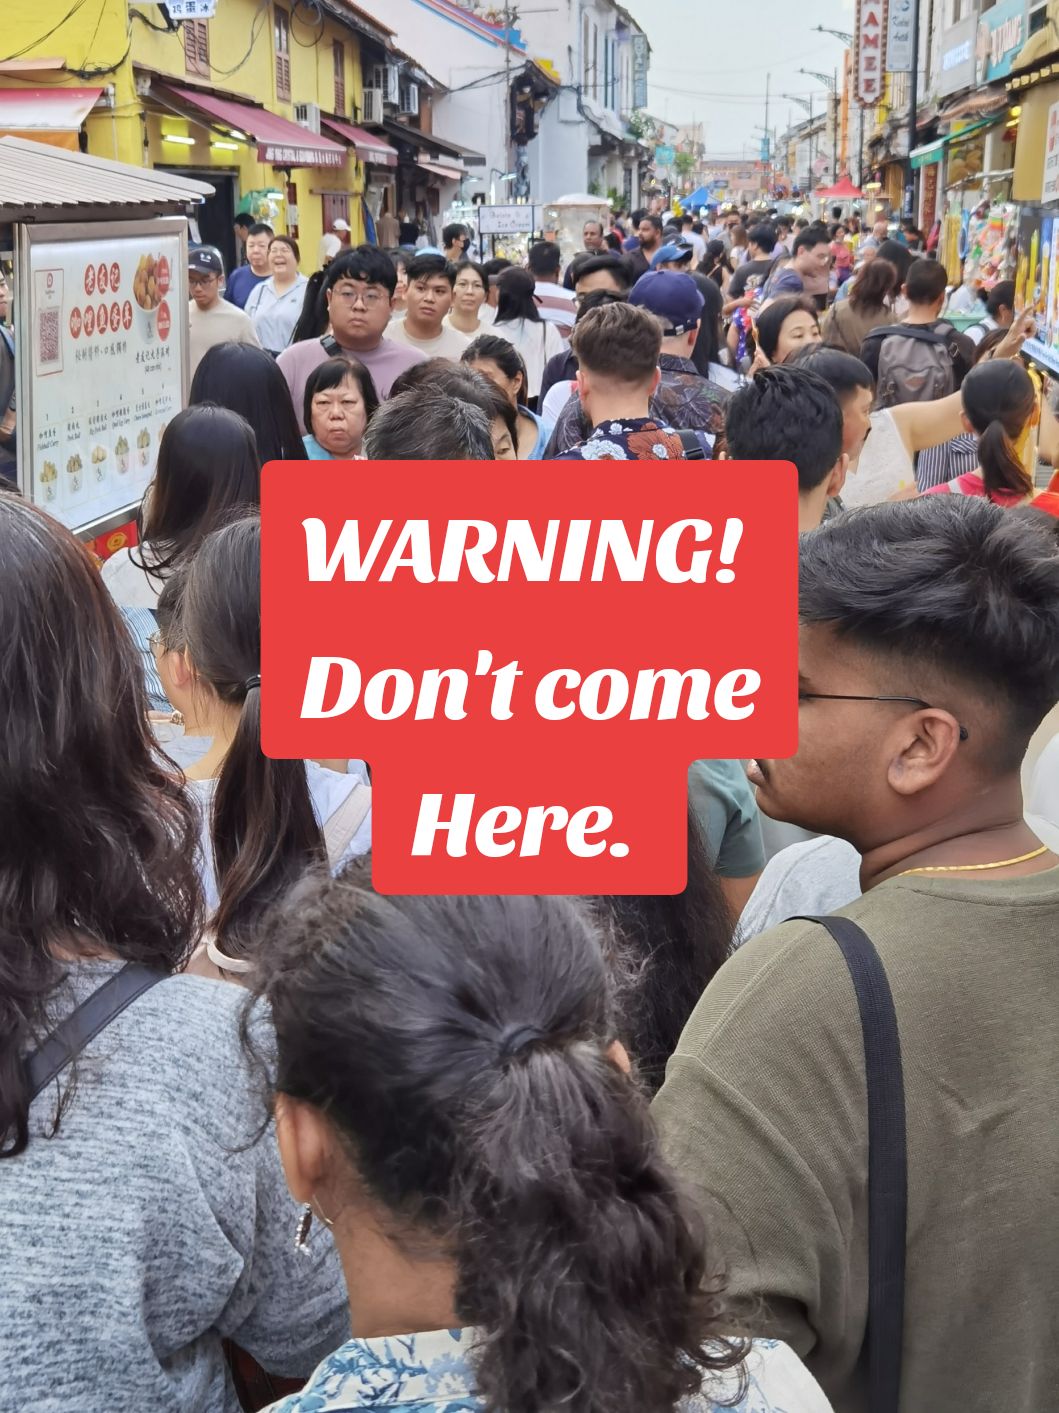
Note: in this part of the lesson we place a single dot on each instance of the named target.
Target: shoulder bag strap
(887, 1161)
(693, 448)
(344, 822)
(93, 1015)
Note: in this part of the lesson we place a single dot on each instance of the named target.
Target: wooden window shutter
(282, 54)
(197, 48)
(339, 51)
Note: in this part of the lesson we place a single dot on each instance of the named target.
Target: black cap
(205, 261)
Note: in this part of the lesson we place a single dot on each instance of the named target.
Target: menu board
(106, 328)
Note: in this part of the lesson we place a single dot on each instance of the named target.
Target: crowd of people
(783, 1142)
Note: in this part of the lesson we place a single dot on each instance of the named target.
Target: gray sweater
(146, 1230)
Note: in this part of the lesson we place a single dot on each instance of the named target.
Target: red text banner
(529, 656)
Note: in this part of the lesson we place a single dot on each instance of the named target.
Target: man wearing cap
(683, 398)
(676, 255)
(211, 319)
(333, 243)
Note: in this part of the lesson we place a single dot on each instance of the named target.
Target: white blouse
(274, 315)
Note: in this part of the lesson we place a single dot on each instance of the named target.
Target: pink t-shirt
(971, 484)
(385, 362)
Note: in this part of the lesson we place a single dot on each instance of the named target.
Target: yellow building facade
(242, 99)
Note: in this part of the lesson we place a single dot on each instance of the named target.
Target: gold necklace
(972, 868)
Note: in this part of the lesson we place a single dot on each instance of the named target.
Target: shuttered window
(339, 52)
(282, 31)
(197, 48)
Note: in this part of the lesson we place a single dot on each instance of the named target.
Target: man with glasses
(211, 319)
(359, 289)
(928, 657)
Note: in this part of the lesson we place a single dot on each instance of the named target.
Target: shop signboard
(104, 325)
(508, 220)
(1002, 31)
(899, 36)
(640, 55)
(665, 155)
(956, 70)
(868, 43)
(1050, 185)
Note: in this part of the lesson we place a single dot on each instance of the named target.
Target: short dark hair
(1001, 296)
(493, 349)
(463, 265)
(493, 268)
(366, 263)
(424, 267)
(897, 255)
(460, 380)
(453, 232)
(261, 228)
(842, 372)
(787, 414)
(288, 241)
(244, 220)
(619, 341)
(410, 427)
(656, 221)
(544, 258)
(953, 584)
(613, 265)
(925, 282)
(332, 373)
(809, 239)
(772, 318)
(763, 235)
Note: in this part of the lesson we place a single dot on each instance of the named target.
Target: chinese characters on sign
(868, 50)
(640, 52)
(107, 332)
(1050, 188)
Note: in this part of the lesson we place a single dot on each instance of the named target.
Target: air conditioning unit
(373, 109)
(409, 100)
(307, 115)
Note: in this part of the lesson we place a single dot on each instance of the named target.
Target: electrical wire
(313, 5)
(33, 43)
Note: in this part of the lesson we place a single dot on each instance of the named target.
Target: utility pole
(768, 140)
(913, 105)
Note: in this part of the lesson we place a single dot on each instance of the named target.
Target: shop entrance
(216, 215)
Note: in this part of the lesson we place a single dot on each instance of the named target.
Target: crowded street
(553, 940)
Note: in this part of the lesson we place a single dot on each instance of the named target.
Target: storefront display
(106, 324)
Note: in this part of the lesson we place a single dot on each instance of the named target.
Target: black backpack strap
(81, 1026)
(693, 447)
(887, 1161)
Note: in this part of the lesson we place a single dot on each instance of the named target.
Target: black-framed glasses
(849, 697)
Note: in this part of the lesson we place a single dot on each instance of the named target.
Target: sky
(709, 59)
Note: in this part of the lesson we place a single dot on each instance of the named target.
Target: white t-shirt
(486, 315)
(555, 399)
(450, 343)
(327, 789)
(128, 584)
(224, 323)
(883, 468)
(537, 342)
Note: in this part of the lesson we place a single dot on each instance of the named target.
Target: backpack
(915, 363)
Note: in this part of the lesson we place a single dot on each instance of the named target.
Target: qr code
(48, 336)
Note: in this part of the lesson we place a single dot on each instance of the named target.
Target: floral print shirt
(632, 439)
(432, 1373)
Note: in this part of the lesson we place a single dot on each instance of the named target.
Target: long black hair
(998, 397)
(208, 469)
(516, 299)
(247, 380)
(668, 948)
(263, 828)
(314, 318)
(461, 1049)
(98, 836)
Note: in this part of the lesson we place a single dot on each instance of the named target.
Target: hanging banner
(1050, 187)
(868, 65)
(899, 35)
(640, 53)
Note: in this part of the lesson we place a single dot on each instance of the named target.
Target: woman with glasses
(470, 313)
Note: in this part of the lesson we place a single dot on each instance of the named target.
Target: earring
(301, 1234)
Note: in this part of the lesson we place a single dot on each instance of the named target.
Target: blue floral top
(432, 1373)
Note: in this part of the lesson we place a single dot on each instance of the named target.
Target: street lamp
(830, 82)
(807, 106)
(835, 33)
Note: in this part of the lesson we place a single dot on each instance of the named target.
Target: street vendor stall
(97, 251)
(567, 217)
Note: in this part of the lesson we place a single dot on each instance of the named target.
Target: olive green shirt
(764, 1112)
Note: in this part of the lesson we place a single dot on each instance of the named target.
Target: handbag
(887, 1162)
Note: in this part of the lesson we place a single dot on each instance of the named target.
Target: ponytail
(263, 829)
(1001, 465)
(999, 400)
(460, 1049)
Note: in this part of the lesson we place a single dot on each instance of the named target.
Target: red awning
(279, 141)
(843, 190)
(50, 115)
(438, 169)
(367, 146)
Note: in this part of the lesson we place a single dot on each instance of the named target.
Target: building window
(586, 56)
(339, 52)
(1038, 18)
(282, 33)
(197, 48)
(595, 61)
